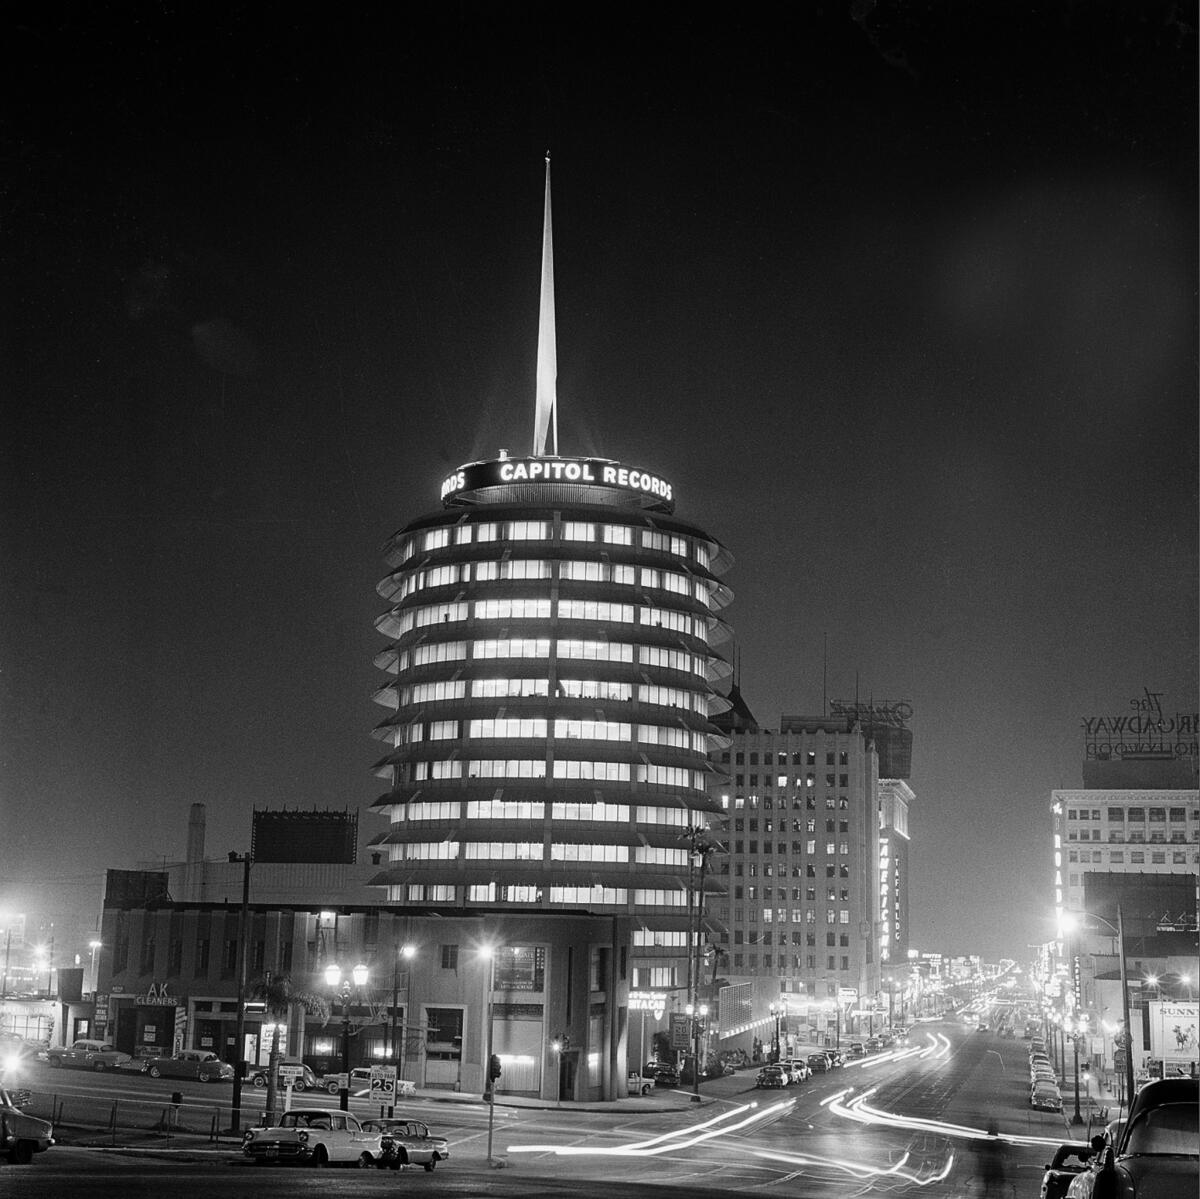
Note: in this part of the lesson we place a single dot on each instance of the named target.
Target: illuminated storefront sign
(654, 1002)
(595, 472)
(156, 996)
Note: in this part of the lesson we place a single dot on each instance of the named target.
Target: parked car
(88, 1055)
(818, 1063)
(635, 1084)
(874, 1045)
(856, 1049)
(1156, 1154)
(21, 1136)
(664, 1074)
(308, 1081)
(1045, 1099)
(771, 1076)
(1069, 1159)
(408, 1142)
(797, 1069)
(314, 1136)
(191, 1063)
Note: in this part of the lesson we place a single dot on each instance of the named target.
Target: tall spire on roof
(545, 417)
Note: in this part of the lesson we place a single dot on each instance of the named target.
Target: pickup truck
(314, 1136)
(21, 1136)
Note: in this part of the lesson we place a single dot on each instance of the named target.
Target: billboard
(1175, 1031)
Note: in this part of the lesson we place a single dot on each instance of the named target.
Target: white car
(314, 1136)
(88, 1055)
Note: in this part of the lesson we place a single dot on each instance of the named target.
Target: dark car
(1157, 1153)
(818, 1063)
(189, 1063)
(663, 1073)
(1069, 1159)
(305, 1081)
(407, 1142)
(771, 1076)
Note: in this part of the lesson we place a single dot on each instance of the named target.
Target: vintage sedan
(1069, 1160)
(88, 1055)
(771, 1076)
(1156, 1154)
(1045, 1098)
(21, 1136)
(408, 1142)
(190, 1063)
(305, 1081)
(314, 1136)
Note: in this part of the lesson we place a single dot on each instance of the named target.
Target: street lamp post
(776, 1010)
(488, 952)
(697, 1016)
(406, 952)
(1077, 1030)
(333, 976)
(239, 1028)
(1119, 929)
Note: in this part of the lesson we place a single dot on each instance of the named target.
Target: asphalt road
(907, 1126)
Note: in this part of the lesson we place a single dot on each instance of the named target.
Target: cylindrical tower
(552, 665)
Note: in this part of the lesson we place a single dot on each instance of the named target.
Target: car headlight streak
(858, 1109)
(670, 1142)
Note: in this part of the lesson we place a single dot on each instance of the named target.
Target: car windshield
(1163, 1131)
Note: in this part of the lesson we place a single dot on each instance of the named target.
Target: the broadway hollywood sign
(1144, 728)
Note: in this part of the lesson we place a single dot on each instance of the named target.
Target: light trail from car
(859, 1110)
(669, 1142)
(721, 1126)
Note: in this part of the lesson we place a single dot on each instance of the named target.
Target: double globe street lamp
(342, 988)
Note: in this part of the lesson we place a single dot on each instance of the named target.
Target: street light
(1069, 921)
(777, 1010)
(697, 1016)
(333, 976)
(491, 1062)
(239, 1031)
(406, 952)
(1077, 1030)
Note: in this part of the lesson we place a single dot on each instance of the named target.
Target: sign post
(289, 1075)
(383, 1087)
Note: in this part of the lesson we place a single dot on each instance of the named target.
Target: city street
(904, 1122)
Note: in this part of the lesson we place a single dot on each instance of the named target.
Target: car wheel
(320, 1157)
(22, 1153)
(155, 1072)
(332, 1088)
(205, 1077)
(56, 1061)
(430, 1164)
(365, 1162)
(260, 1081)
(99, 1067)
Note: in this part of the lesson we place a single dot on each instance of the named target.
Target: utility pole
(239, 1035)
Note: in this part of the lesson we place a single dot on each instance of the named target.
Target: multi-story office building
(552, 665)
(804, 884)
(553, 631)
(1127, 861)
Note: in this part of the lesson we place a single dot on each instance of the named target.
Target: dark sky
(901, 297)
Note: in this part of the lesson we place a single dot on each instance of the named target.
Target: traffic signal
(494, 1067)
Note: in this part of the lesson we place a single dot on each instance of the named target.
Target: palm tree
(277, 993)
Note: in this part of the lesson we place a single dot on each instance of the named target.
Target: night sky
(902, 298)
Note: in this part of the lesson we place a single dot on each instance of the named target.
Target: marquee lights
(592, 472)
